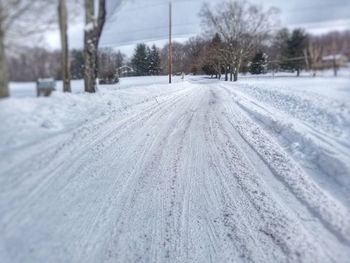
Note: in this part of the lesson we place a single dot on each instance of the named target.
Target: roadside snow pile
(29, 119)
(303, 146)
(28, 89)
(331, 213)
(26, 120)
(320, 112)
(310, 118)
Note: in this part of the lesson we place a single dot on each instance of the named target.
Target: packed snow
(197, 171)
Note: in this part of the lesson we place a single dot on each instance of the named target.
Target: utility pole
(170, 58)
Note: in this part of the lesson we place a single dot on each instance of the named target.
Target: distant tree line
(286, 50)
(34, 63)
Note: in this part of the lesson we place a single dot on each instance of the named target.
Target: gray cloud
(137, 20)
(132, 21)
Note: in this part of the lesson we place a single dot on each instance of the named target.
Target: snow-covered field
(197, 171)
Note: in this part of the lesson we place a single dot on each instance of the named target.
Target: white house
(125, 71)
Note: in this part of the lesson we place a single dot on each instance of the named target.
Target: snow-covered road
(198, 173)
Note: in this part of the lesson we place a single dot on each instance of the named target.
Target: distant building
(337, 60)
(126, 71)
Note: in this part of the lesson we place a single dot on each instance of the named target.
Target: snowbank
(27, 119)
(310, 117)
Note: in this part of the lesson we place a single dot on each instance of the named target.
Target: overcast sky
(133, 21)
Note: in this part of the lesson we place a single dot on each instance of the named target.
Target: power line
(154, 28)
(344, 23)
(149, 39)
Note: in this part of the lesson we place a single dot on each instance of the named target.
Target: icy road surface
(200, 171)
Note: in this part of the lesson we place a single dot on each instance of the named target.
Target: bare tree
(313, 55)
(108, 62)
(31, 63)
(15, 18)
(213, 56)
(193, 50)
(178, 58)
(4, 92)
(62, 17)
(240, 25)
(93, 31)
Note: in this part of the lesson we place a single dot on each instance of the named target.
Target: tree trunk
(89, 65)
(226, 74)
(231, 73)
(235, 75)
(62, 11)
(335, 70)
(4, 90)
(236, 68)
(298, 72)
(93, 31)
(89, 46)
(306, 57)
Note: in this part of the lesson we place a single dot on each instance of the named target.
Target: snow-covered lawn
(26, 119)
(197, 171)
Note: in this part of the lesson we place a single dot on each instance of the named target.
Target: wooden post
(170, 62)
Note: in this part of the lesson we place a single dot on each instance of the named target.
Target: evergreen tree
(148, 62)
(258, 63)
(293, 56)
(77, 64)
(154, 61)
(140, 60)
